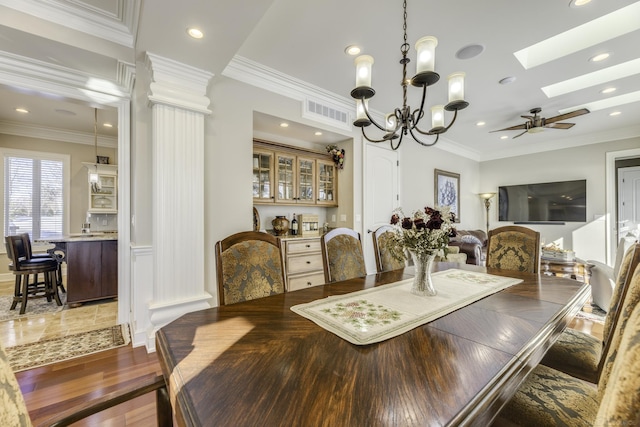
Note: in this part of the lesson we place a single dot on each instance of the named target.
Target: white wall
(417, 187)
(587, 162)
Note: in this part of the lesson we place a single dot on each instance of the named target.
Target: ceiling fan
(536, 123)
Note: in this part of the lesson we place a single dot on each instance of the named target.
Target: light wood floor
(51, 389)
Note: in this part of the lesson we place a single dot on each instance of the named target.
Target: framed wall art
(447, 191)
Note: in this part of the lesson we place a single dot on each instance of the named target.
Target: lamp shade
(437, 116)
(360, 113)
(364, 63)
(456, 87)
(426, 57)
(486, 196)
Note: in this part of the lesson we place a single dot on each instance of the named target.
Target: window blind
(33, 196)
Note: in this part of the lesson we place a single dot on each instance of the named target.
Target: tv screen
(545, 202)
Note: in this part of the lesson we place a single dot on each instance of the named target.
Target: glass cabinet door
(327, 183)
(103, 196)
(306, 180)
(262, 175)
(285, 175)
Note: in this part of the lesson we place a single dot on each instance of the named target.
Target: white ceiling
(305, 40)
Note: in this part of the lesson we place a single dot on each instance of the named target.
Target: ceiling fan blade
(520, 134)
(559, 125)
(566, 116)
(522, 126)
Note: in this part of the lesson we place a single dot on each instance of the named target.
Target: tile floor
(89, 316)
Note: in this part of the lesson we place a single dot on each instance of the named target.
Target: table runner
(377, 314)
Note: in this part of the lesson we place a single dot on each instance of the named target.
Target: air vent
(327, 114)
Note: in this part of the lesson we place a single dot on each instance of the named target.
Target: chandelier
(403, 121)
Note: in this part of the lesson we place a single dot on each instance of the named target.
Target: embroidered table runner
(377, 314)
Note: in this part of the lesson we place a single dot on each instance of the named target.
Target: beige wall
(587, 162)
(78, 194)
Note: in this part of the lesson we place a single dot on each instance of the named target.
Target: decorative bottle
(294, 226)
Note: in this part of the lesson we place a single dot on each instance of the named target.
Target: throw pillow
(470, 239)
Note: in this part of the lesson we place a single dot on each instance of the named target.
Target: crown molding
(21, 71)
(120, 27)
(54, 134)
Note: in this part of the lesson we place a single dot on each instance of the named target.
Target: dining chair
(382, 242)
(342, 255)
(249, 266)
(582, 355)
(13, 410)
(23, 266)
(549, 397)
(603, 277)
(514, 248)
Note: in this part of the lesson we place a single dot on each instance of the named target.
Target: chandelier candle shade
(403, 121)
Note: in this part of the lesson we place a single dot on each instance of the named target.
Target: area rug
(597, 316)
(35, 307)
(45, 352)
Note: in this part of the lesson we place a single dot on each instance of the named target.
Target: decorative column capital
(177, 84)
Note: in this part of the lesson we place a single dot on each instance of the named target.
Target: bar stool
(55, 257)
(23, 266)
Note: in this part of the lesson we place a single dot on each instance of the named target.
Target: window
(35, 188)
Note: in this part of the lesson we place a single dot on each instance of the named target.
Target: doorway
(628, 218)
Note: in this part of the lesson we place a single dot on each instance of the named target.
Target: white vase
(422, 282)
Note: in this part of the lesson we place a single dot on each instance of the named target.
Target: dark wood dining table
(257, 363)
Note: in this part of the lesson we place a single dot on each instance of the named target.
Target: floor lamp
(487, 202)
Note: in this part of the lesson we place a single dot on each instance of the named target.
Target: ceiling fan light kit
(403, 121)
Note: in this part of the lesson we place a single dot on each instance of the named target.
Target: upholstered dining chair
(249, 266)
(13, 410)
(549, 397)
(603, 277)
(582, 355)
(381, 249)
(23, 266)
(342, 255)
(514, 248)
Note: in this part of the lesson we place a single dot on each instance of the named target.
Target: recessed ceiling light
(507, 80)
(318, 133)
(22, 110)
(504, 137)
(352, 50)
(107, 125)
(615, 113)
(578, 3)
(284, 125)
(599, 57)
(470, 51)
(195, 33)
(608, 90)
(480, 124)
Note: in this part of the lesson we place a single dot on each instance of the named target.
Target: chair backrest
(342, 255)
(16, 249)
(514, 248)
(629, 300)
(625, 272)
(620, 402)
(249, 266)
(623, 246)
(381, 243)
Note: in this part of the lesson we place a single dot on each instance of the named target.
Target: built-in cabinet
(102, 188)
(285, 175)
(303, 259)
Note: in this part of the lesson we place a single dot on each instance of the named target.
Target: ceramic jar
(280, 225)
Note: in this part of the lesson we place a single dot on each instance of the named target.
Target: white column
(177, 95)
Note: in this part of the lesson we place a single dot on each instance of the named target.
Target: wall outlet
(343, 217)
(104, 222)
(333, 218)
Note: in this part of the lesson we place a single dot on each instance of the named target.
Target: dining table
(260, 363)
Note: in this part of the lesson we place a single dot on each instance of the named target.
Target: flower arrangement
(337, 154)
(424, 233)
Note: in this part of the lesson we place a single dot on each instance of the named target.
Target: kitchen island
(92, 265)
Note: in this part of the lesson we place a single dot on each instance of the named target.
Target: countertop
(81, 237)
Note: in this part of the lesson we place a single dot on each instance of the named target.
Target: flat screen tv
(564, 201)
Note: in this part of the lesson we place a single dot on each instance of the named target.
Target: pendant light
(93, 176)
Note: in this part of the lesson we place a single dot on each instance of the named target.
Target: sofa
(473, 243)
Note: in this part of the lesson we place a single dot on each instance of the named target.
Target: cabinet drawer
(304, 263)
(312, 245)
(302, 282)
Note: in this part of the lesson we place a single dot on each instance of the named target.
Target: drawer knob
(308, 246)
(308, 262)
(308, 283)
